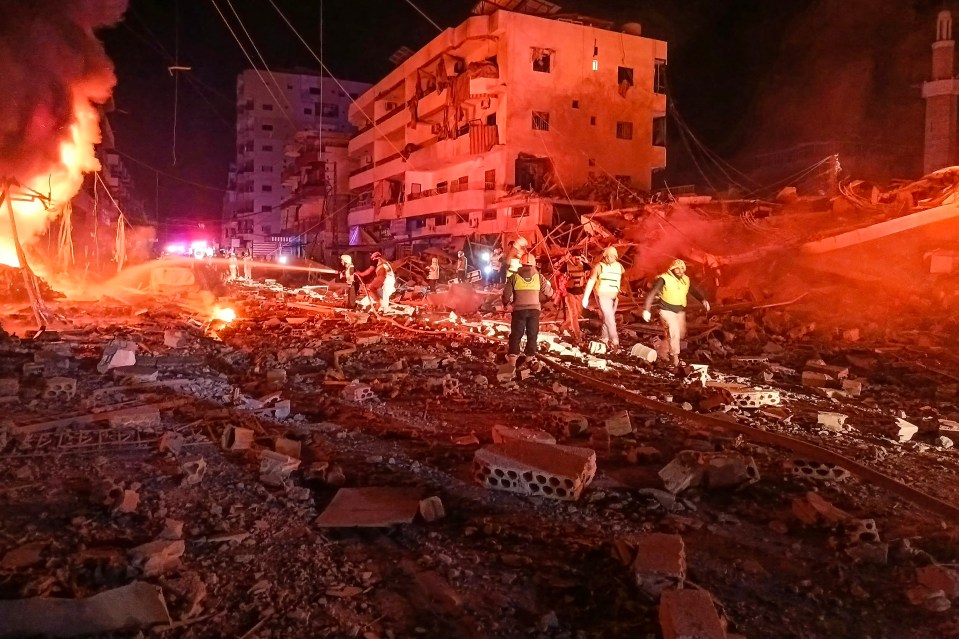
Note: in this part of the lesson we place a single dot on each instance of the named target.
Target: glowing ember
(224, 314)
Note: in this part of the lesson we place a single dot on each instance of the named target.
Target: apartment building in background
(489, 127)
(271, 109)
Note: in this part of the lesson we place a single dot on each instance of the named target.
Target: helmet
(611, 253)
(677, 264)
(529, 259)
(346, 259)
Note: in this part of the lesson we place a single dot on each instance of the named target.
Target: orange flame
(225, 314)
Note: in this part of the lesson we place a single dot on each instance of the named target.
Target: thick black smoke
(49, 57)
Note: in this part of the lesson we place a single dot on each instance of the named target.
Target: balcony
(460, 198)
(387, 167)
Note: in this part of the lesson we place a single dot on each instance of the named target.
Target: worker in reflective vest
(461, 266)
(384, 281)
(570, 287)
(349, 276)
(606, 280)
(433, 274)
(526, 290)
(673, 287)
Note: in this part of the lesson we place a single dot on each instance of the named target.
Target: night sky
(746, 75)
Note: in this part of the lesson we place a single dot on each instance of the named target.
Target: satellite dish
(633, 28)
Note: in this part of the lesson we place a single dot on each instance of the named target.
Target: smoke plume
(54, 72)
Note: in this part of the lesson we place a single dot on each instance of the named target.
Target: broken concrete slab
(815, 470)
(813, 509)
(936, 577)
(60, 388)
(714, 470)
(831, 421)
(23, 556)
(137, 605)
(119, 352)
(660, 562)
(157, 557)
(689, 614)
(559, 472)
(374, 507)
(236, 438)
(901, 430)
(194, 468)
(502, 434)
(619, 425)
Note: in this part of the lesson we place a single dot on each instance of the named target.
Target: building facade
(941, 94)
(271, 108)
(495, 123)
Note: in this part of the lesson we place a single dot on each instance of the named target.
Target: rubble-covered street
(307, 471)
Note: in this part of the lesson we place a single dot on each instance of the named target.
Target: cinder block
(236, 438)
(831, 421)
(61, 388)
(660, 562)
(862, 531)
(747, 396)
(572, 424)
(367, 338)
(289, 447)
(358, 393)
(815, 470)
(558, 472)
(275, 468)
(689, 614)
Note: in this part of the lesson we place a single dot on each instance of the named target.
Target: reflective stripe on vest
(610, 278)
(577, 277)
(522, 284)
(675, 289)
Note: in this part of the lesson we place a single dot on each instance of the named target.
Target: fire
(225, 314)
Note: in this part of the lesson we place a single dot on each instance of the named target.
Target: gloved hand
(585, 302)
(647, 316)
(706, 305)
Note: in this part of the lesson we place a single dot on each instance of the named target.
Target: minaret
(942, 96)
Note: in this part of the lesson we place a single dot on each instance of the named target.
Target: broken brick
(660, 562)
(431, 509)
(559, 472)
(689, 614)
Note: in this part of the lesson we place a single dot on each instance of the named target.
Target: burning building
(57, 73)
(498, 123)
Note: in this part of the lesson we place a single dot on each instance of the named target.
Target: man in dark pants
(526, 290)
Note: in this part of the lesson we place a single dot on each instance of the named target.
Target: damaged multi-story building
(498, 125)
(272, 107)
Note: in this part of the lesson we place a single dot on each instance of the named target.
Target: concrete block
(816, 380)
(356, 392)
(236, 438)
(689, 614)
(684, 471)
(747, 396)
(276, 376)
(831, 421)
(139, 417)
(936, 577)
(597, 362)
(729, 470)
(815, 470)
(119, 352)
(431, 509)
(367, 338)
(861, 531)
(289, 447)
(275, 468)
(60, 388)
(852, 387)
(597, 348)
(503, 434)
(558, 472)
(571, 424)
(619, 424)
(660, 563)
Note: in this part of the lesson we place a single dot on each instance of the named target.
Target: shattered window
(489, 215)
(659, 131)
(542, 59)
(267, 127)
(624, 130)
(659, 76)
(540, 121)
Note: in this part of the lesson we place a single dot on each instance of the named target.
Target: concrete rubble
(308, 471)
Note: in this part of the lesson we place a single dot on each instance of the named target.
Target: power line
(420, 11)
(260, 56)
(170, 175)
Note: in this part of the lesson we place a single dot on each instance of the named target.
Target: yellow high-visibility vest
(675, 289)
(610, 279)
(521, 284)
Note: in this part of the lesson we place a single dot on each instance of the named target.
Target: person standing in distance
(606, 281)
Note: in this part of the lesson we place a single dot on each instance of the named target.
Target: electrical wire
(429, 19)
(260, 56)
(250, 60)
(170, 175)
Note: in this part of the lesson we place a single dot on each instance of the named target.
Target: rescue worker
(672, 287)
(234, 264)
(518, 248)
(573, 276)
(384, 282)
(606, 280)
(496, 265)
(433, 274)
(247, 265)
(526, 290)
(461, 266)
(349, 276)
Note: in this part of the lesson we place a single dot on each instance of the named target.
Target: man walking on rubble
(384, 282)
(461, 266)
(606, 280)
(247, 265)
(570, 286)
(672, 287)
(526, 290)
(433, 274)
(349, 276)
